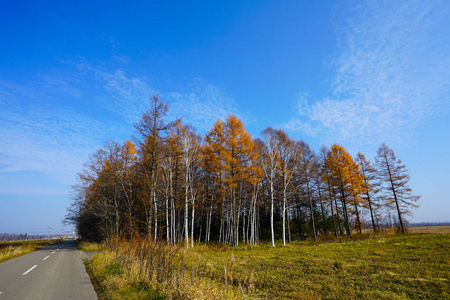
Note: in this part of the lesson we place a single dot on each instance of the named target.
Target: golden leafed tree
(347, 178)
(229, 160)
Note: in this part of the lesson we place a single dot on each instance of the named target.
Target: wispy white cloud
(46, 140)
(120, 93)
(6, 97)
(391, 73)
(130, 95)
(121, 58)
(44, 135)
(38, 140)
(202, 105)
(56, 86)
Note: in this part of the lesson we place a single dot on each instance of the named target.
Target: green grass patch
(396, 267)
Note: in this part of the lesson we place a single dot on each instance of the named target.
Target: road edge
(101, 295)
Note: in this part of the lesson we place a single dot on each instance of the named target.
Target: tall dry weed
(171, 271)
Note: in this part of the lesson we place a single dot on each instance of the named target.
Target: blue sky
(74, 74)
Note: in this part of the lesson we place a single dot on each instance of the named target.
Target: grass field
(9, 250)
(415, 266)
(440, 229)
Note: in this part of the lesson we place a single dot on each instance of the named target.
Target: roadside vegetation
(9, 250)
(382, 266)
(144, 269)
(90, 246)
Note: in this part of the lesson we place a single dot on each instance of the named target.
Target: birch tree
(190, 152)
(286, 162)
(270, 156)
(307, 164)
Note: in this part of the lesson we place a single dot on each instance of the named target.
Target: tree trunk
(192, 222)
(396, 201)
(284, 219)
(371, 213)
(344, 209)
(358, 220)
(156, 215)
(312, 211)
(332, 213)
(186, 217)
(271, 214)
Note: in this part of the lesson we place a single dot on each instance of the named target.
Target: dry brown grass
(15, 251)
(144, 269)
(90, 246)
(435, 229)
(9, 250)
(432, 229)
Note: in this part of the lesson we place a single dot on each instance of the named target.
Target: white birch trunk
(186, 218)
(192, 220)
(271, 212)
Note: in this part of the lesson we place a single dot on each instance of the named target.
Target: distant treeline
(429, 224)
(170, 183)
(5, 237)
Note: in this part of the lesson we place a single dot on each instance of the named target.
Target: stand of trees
(173, 185)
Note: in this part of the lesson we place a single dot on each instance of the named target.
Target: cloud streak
(37, 140)
(130, 94)
(42, 138)
(202, 105)
(391, 73)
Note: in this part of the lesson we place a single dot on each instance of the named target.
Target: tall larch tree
(239, 156)
(325, 176)
(356, 190)
(346, 177)
(214, 153)
(370, 186)
(395, 177)
(152, 129)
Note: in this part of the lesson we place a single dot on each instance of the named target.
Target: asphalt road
(54, 272)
